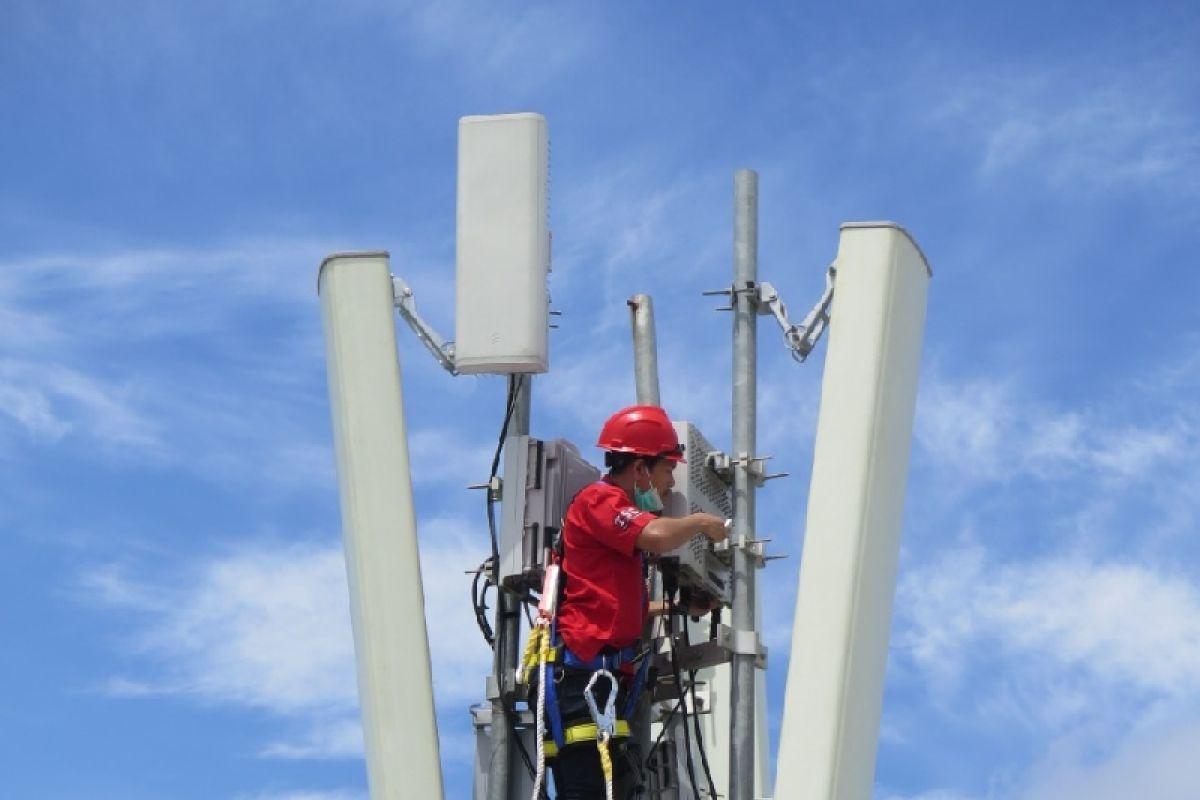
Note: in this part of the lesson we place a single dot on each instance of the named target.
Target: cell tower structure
(702, 731)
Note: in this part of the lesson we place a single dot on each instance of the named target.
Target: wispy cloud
(328, 739)
(268, 627)
(497, 40)
(305, 794)
(51, 402)
(1150, 761)
(1110, 624)
(139, 349)
(988, 429)
(1081, 124)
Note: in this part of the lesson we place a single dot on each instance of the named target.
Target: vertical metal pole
(508, 631)
(745, 376)
(645, 374)
(645, 349)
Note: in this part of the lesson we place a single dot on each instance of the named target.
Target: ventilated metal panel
(698, 488)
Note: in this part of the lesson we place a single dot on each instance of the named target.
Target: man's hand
(710, 525)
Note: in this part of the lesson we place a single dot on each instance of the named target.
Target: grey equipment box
(699, 488)
(540, 479)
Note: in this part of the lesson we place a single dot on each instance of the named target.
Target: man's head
(640, 444)
(647, 472)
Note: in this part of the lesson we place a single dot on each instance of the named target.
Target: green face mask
(647, 499)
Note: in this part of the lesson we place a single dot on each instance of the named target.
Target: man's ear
(640, 470)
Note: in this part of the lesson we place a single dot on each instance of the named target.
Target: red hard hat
(642, 430)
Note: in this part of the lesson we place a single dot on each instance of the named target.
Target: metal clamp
(743, 643)
(757, 468)
(720, 464)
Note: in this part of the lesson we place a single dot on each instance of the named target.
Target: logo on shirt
(624, 517)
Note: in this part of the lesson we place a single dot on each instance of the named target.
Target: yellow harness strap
(584, 732)
(537, 650)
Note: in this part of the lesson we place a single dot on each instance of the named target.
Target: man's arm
(666, 533)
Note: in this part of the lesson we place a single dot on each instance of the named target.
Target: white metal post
(847, 579)
(387, 605)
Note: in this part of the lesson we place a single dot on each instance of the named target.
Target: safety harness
(544, 648)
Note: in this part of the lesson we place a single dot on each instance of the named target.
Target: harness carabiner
(606, 723)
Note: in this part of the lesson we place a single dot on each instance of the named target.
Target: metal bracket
(743, 643)
(755, 549)
(406, 303)
(751, 288)
(802, 338)
(757, 467)
(720, 464)
(494, 486)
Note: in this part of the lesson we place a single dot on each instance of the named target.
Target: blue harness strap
(635, 691)
(609, 661)
(556, 724)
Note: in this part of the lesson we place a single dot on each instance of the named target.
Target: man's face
(662, 477)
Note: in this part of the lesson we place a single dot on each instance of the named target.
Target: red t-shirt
(604, 602)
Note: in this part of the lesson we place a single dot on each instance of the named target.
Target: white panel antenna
(503, 245)
(839, 646)
(379, 527)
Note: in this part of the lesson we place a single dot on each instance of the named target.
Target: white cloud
(268, 627)
(154, 353)
(626, 229)
(495, 41)
(51, 402)
(1078, 124)
(305, 794)
(989, 430)
(328, 739)
(1158, 761)
(447, 456)
(936, 794)
(1063, 630)
(461, 657)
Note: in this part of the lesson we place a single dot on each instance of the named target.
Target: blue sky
(172, 580)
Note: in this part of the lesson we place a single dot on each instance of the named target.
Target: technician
(609, 527)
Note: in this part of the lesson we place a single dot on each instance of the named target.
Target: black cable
(712, 786)
(513, 391)
(479, 604)
(521, 745)
(491, 566)
(687, 737)
(666, 726)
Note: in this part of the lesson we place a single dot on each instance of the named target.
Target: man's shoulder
(600, 488)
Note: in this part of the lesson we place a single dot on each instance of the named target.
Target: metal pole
(645, 349)
(745, 342)
(645, 373)
(508, 631)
